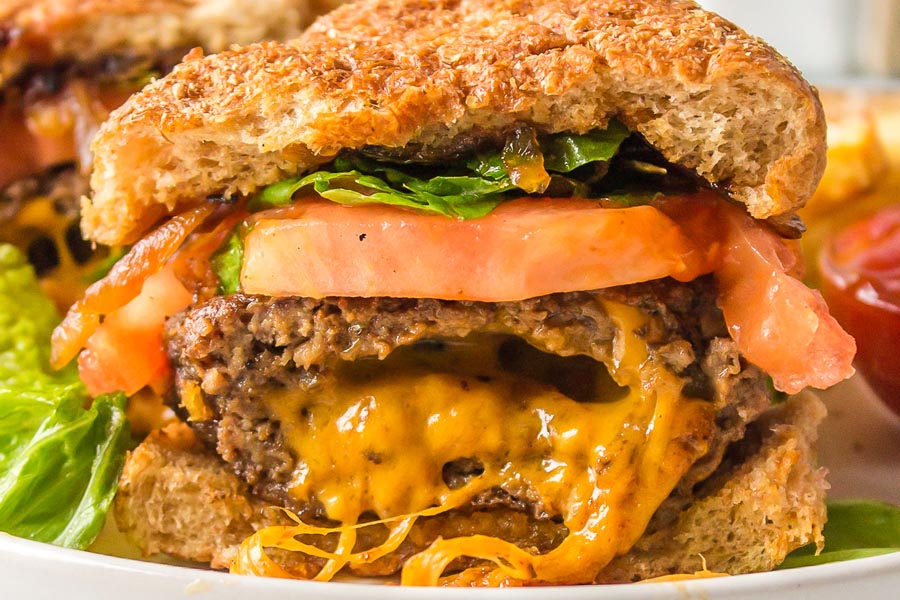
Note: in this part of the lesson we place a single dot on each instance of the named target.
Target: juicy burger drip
(375, 440)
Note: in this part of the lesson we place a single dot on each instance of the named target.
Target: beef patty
(230, 352)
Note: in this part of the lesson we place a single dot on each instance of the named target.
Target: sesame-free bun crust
(394, 73)
(47, 31)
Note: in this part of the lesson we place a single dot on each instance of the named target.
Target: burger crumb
(198, 586)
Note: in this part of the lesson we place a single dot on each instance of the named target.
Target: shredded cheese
(375, 441)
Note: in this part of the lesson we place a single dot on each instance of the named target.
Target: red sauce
(861, 281)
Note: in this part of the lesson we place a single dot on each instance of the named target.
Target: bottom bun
(766, 499)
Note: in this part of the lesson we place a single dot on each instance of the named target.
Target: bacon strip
(122, 284)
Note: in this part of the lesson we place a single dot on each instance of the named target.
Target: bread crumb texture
(46, 31)
(425, 72)
(177, 498)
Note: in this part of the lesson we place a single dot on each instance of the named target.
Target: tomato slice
(126, 351)
(524, 248)
(53, 130)
(778, 323)
(24, 153)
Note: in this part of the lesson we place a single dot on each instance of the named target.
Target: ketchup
(861, 282)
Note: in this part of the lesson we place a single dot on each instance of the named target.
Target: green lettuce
(27, 318)
(359, 181)
(855, 529)
(226, 263)
(465, 189)
(564, 153)
(59, 462)
(468, 190)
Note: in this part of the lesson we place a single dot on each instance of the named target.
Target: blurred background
(831, 41)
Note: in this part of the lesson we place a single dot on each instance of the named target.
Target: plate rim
(740, 585)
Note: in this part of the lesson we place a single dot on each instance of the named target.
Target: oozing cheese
(376, 439)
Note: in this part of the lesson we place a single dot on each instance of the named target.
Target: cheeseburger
(480, 293)
(64, 65)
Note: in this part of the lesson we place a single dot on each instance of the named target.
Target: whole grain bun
(47, 31)
(177, 497)
(427, 72)
(748, 518)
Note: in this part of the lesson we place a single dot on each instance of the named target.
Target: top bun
(391, 73)
(47, 31)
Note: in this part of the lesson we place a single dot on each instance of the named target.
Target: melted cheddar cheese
(376, 439)
(64, 283)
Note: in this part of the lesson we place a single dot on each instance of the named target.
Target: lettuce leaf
(226, 263)
(564, 153)
(27, 318)
(466, 197)
(468, 190)
(59, 462)
(855, 529)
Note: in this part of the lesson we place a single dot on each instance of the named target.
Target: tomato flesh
(126, 351)
(52, 131)
(861, 279)
(778, 323)
(524, 248)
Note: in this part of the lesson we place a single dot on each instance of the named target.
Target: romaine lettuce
(226, 263)
(59, 462)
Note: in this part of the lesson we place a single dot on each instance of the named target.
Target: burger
(64, 65)
(480, 293)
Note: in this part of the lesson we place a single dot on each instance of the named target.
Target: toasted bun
(388, 73)
(83, 30)
(769, 505)
(178, 498)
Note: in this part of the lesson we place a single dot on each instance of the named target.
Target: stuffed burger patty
(483, 293)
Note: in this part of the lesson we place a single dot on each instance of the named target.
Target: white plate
(860, 445)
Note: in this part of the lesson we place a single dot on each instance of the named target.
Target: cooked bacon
(123, 283)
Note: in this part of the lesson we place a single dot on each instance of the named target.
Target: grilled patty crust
(230, 352)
